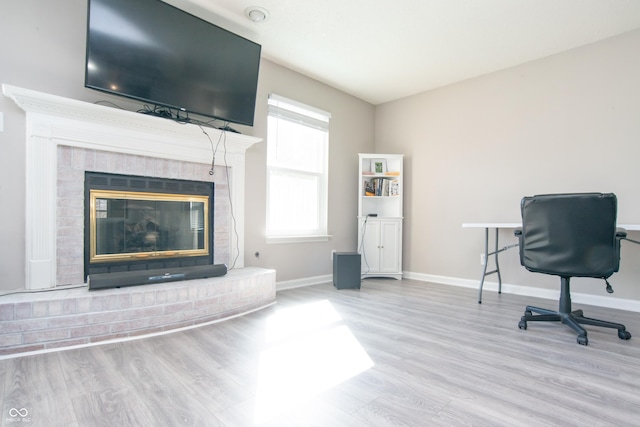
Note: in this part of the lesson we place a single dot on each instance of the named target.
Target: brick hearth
(69, 317)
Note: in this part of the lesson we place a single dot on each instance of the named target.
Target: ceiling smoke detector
(256, 13)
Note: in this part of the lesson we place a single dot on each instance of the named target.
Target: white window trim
(297, 239)
(287, 104)
(313, 117)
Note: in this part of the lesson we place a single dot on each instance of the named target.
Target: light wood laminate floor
(395, 353)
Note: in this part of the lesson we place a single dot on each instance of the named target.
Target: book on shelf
(384, 191)
(394, 188)
(369, 187)
(381, 187)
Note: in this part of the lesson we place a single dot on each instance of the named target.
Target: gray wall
(43, 46)
(570, 122)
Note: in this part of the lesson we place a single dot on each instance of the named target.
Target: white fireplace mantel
(53, 120)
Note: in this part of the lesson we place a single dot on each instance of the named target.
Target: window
(297, 163)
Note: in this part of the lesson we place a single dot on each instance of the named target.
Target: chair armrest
(517, 232)
(621, 233)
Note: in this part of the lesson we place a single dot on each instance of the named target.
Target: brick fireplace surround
(65, 138)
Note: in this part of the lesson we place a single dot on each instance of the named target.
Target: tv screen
(153, 52)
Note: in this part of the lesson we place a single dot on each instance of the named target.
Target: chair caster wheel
(624, 335)
(522, 325)
(583, 340)
(527, 312)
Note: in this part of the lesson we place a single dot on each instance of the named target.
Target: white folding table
(496, 249)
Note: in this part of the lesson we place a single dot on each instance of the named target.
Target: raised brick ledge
(47, 320)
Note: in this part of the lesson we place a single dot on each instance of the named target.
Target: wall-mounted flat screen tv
(153, 52)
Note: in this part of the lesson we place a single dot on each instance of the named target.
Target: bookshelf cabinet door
(370, 248)
(390, 247)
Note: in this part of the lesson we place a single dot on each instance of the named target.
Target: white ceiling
(382, 50)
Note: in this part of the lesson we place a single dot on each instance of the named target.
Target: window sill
(297, 239)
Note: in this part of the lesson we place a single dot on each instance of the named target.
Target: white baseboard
(576, 297)
(507, 288)
(308, 281)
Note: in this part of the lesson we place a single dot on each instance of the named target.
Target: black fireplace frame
(144, 184)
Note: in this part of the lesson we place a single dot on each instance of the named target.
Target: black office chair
(570, 235)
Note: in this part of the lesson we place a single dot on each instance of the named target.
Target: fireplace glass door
(127, 225)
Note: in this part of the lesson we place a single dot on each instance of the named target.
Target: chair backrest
(570, 235)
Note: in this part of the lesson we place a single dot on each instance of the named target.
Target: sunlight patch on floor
(309, 351)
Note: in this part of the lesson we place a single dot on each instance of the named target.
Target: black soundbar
(146, 277)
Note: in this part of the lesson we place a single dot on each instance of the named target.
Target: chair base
(574, 319)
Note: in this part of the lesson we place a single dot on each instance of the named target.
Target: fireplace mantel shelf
(145, 135)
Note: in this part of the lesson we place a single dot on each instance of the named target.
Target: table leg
(486, 273)
(498, 265)
(484, 267)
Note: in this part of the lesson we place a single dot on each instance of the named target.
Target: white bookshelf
(380, 195)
